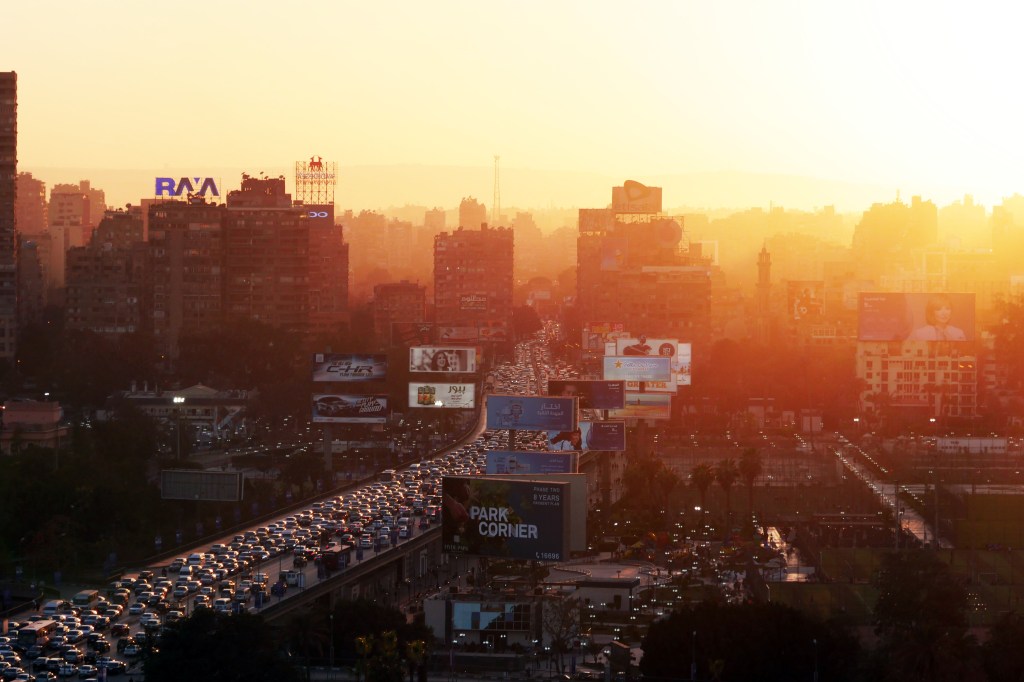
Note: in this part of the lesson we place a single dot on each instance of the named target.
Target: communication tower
(315, 180)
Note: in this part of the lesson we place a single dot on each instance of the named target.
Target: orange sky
(918, 97)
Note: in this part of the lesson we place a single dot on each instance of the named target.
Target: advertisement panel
(593, 395)
(680, 353)
(596, 219)
(531, 413)
(576, 522)
(516, 519)
(635, 197)
(472, 302)
(494, 331)
(630, 368)
(442, 359)
(458, 334)
(462, 396)
(645, 406)
(344, 367)
(412, 333)
(614, 253)
(333, 408)
(213, 486)
(805, 300)
(916, 317)
(603, 435)
(522, 462)
(493, 616)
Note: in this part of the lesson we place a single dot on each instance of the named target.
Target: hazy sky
(919, 96)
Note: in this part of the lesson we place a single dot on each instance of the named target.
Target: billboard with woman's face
(442, 359)
(888, 316)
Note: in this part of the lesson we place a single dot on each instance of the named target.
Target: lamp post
(815, 659)
(693, 657)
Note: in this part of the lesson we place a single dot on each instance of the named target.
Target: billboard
(805, 300)
(630, 368)
(412, 333)
(350, 409)
(442, 395)
(494, 331)
(645, 406)
(442, 359)
(531, 413)
(603, 435)
(521, 462)
(493, 616)
(916, 317)
(593, 395)
(614, 253)
(212, 486)
(319, 215)
(516, 519)
(634, 197)
(577, 517)
(596, 219)
(680, 354)
(458, 334)
(472, 302)
(343, 367)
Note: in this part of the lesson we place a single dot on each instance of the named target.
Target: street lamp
(815, 659)
(693, 657)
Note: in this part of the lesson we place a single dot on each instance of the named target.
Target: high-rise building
(266, 255)
(8, 220)
(473, 277)
(472, 214)
(32, 209)
(636, 268)
(186, 251)
(397, 302)
(328, 272)
(105, 290)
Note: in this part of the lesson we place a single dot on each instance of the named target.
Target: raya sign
(508, 518)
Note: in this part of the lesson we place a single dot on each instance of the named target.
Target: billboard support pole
(329, 451)
(511, 439)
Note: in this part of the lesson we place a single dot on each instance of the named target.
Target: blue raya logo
(200, 186)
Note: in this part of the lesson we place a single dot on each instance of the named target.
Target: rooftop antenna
(496, 204)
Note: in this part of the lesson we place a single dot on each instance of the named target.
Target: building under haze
(397, 302)
(8, 220)
(32, 207)
(106, 290)
(473, 277)
(472, 213)
(635, 268)
(186, 241)
(266, 255)
(328, 271)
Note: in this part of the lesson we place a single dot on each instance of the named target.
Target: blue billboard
(593, 395)
(637, 368)
(344, 367)
(522, 462)
(603, 435)
(501, 517)
(531, 413)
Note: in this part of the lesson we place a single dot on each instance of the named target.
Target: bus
(86, 599)
(38, 632)
(336, 556)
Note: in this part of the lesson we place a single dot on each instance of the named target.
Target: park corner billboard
(345, 367)
(350, 409)
(434, 396)
(531, 413)
(505, 517)
(888, 316)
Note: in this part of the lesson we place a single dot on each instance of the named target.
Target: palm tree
(726, 474)
(702, 476)
(750, 469)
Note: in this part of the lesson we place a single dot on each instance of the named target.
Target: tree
(750, 469)
(211, 647)
(416, 655)
(561, 624)
(726, 474)
(1002, 654)
(702, 476)
(920, 620)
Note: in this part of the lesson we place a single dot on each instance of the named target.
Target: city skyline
(822, 105)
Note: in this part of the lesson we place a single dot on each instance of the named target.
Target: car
(87, 671)
(137, 609)
(120, 629)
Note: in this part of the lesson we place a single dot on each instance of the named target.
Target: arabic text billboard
(350, 409)
(442, 395)
(345, 367)
(593, 395)
(486, 516)
(523, 462)
(442, 359)
(531, 413)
